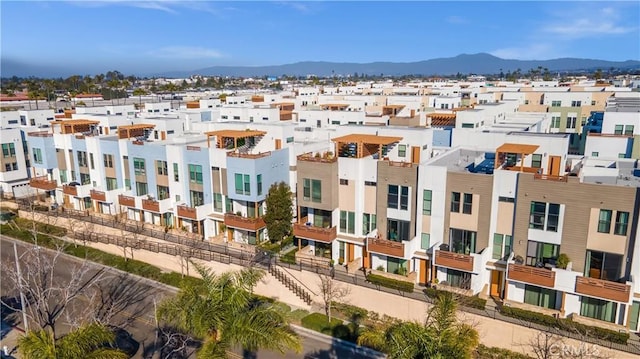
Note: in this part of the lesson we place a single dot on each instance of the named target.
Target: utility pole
(22, 301)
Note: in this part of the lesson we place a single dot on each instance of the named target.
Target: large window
(259, 181)
(555, 122)
(347, 222)
(82, 159)
(139, 166)
(217, 202)
(162, 168)
(163, 192)
(85, 178)
(8, 150)
(540, 254)
(541, 297)
(425, 241)
(604, 221)
(544, 216)
(312, 190)
(197, 198)
(455, 202)
(462, 241)
(502, 245)
(598, 309)
(37, 155)
(396, 265)
(622, 221)
(467, 203)
(195, 174)
(243, 184)
(426, 202)
(112, 183)
(368, 223)
(459, 279)
(398, 230)
(602, 265)
(398, 197)
(141, 189)
(108, 160)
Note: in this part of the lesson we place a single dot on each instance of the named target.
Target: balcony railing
(386, 247)
(324, 158)
(601, 288)
(326, 235)
(187, 212)
(459, 261)
(249, 224)
(70, 190)
(248, 155)
(151, 205)
(98, 195)
(532, 275)
(550, 177)
(43, 183)
(127, 201)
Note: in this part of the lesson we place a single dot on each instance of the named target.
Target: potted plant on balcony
(563, 261)
(518, 259)
(340, 260)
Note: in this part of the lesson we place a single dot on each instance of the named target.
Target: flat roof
(517, 148)
(236, 133)
(365, 138)
(136, 126)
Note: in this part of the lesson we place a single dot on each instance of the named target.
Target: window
(392, 197)
(398, 197)
(396, 265)
(368, 223)
(593, 103)
(93, 165)
(195, 174)
(459, 279)
(628, 130)
(404, 198)
(370, 183)
(555, 122)
(467, 203)
(571, 122)
(85, 178)
(468, 125)
(398, 230)
(536, 160)
(576, 103)
(37, 155)
(243, 184)
(127, 184)
(544, 216)
(344, 182)
(541, 297)
(604, 221)
(82, 159)
(402, 150)
(426, 202)
(176, 173)
(228, 205)
(8, 150)
(539, 254)
(462, 241)
(618, 129)
(502, 245)
(622, 155)
(162, 168)
(425, 239)
(622, 220)
(598, 309)
(602, 265)
(197, 198)
(108, 160)
(306, 189)
(259, 182)
(347, 222)
(63, 176)
(163, 192)
(316, 191)
(141, 188)
(506, 199)
(217, 202)
(595, 154)
(139, 167)
(455, 202)
(556, 103)
(112, 183)
(289, 139)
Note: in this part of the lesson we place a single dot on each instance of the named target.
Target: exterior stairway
(291, 284)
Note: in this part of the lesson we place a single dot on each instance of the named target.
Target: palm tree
(441, 336)
(89, 342)
(223, 312)
(139, 92)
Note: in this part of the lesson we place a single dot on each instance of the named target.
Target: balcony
(43, 183)
(127, 201)
(325, 235)
(532, 275)
(249, 224)
(459, 261)
(187, 212)
(386, 247)
(601, 288)
(550, 177)
(151, 205)
(70, 190)
(98, 195)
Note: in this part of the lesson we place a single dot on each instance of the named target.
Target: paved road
(143, 327)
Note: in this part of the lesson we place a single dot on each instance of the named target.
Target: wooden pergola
(235, 135)
(366, 144)
(513, 148)
(73, 126)
(136, 130)
(334, 106)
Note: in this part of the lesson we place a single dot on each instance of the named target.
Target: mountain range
(481, 63)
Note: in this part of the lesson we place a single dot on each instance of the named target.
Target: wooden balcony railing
(250, 224)
(601, 288)
(325, 158)
(248, 155)
(151, 205)
(43, 183)
(70, 190)
(126, 201)
(386, 247)
(98, 195)
(326, 235)
(187, 212)
(459, 261)
(550, 177)
(532, 275)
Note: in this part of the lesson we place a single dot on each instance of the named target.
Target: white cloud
(529, 52)
(456, 20)
(168, 6)
(185, 52)
(589, 22)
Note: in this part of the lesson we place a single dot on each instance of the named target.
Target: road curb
(327, 339)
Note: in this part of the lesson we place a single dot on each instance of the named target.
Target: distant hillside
(466, 64)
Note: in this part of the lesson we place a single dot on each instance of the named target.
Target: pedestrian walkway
(493, 333)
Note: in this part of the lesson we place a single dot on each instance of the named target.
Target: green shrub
(289, 257)
(319, 322)
(464, 300)
(298, 314)
(400, 285)
(566, 324)
(485, 352)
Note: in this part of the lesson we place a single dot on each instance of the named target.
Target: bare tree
(184, 254)
(549, 344)
(331, 292)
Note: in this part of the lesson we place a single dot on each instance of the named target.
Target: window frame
(427, 202)
(604, 224)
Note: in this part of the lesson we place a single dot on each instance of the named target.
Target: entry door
(365, 257)
(423, 271)
(554, 165)
(496, 279)
(415, 154)
(350, 254)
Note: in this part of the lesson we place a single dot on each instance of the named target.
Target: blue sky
(152, 36)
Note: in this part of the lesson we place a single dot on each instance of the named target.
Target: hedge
(400, 285)
(464, 300)
(320, 323)
(566, 324)
(485, 352)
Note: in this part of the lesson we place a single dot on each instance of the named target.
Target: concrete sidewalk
(493, 333)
